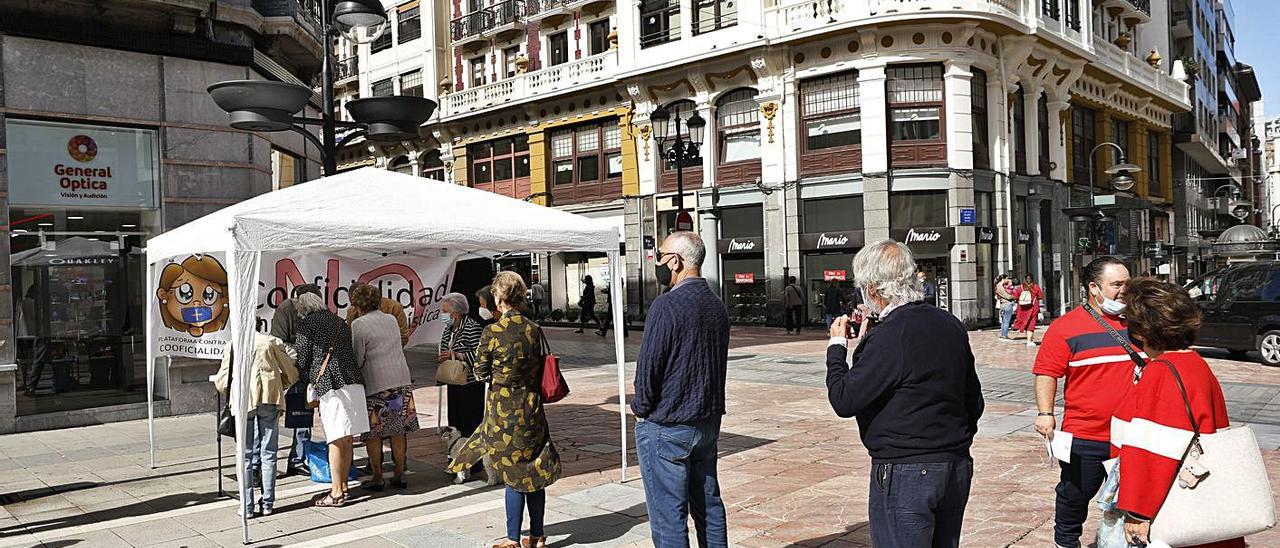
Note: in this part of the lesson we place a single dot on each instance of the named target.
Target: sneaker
(266, 510)
(1032, 343)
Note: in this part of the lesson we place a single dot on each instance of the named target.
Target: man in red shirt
(1098, 371)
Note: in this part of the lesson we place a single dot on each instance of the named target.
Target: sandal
(507, 543)
(330, 501)
(399, 483)
(371, 485)
(533, 542)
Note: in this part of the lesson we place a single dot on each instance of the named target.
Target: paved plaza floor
(792, 473)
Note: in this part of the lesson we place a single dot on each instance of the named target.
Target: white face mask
(485, 314)
(871, 303)
(1108, 306)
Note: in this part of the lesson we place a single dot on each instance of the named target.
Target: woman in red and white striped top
(1150, 429)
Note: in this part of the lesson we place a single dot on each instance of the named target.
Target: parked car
(1241, 305)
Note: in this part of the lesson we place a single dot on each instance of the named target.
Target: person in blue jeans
(916, 395)
(1006, 303)
(273, 369)
(679, 399)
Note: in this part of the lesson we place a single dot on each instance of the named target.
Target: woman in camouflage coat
(515, 432)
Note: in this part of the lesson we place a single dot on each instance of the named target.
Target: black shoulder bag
(1124, 343)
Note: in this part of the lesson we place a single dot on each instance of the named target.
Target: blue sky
(1258, 44)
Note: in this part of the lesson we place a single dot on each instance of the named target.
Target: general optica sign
(72, 165)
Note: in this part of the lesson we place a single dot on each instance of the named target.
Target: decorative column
(998, 121)
(875, 151)
(1031, 126)
(958, 94)
(1057, 138)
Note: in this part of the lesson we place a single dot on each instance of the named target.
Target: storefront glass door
(78, 282)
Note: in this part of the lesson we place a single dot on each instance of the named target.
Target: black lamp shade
(391, 119)
(696, 126)
(359, 13)
(259, 105)
(661, 118)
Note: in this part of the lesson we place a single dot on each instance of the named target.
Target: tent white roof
(370, 211)
(376, 210)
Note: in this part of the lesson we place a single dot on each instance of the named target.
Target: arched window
(433, 165)
(738, 126)
(400, 164)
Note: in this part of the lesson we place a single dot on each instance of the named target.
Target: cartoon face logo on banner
(193, 295)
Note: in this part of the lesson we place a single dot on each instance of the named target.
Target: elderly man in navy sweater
(915, 393)
(679, 399)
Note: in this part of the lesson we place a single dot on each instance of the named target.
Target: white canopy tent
(374, 211)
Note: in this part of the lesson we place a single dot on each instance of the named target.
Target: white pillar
(1031, 127)
(1057, 139)
(875, 151)
(958, 94)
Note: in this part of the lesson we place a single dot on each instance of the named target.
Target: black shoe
(578, 331)
(297, 471)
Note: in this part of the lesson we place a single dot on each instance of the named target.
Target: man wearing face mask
(679, 398)
(1090, 348)
(914, 390)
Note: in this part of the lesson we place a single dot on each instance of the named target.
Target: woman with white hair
(459, 340)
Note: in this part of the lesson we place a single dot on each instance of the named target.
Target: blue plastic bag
(318, 461)
(1111, 530)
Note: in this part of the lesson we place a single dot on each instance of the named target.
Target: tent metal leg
(439, 408)
(217, 440)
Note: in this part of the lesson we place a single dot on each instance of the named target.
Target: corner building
(108, 137)
(963, 128)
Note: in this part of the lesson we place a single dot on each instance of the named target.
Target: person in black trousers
(915, 392)
(793, 301)
(459, 341)
(588, 304)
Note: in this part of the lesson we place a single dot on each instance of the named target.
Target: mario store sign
(81, 166)
(191, 304)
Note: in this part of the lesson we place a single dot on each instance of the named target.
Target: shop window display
(78, 315)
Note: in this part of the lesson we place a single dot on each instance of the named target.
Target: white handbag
(1232, 501)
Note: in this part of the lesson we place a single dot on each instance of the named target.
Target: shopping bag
(318, 461)
(297, 414)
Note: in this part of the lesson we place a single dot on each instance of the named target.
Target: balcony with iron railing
(346, 70)
(555, 12)
(500, 21)
(557, 79)
(305, 12)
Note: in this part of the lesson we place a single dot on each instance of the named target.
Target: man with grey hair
(679, 399)
(915, 393)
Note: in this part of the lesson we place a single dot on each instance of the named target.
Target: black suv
(1241, 305)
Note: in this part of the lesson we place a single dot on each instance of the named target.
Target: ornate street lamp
(259, 105)
(679, 150)
(1121, 179)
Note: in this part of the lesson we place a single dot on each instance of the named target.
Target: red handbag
(553, 388)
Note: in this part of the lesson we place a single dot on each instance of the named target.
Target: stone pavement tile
(1000, 427)
(40, 505)
(162, 530)
(198, 541)
(210, 521)
(99, 495)
(430, 535)
(612, 497)
(601, 448)
(96, 539)
(10, 527)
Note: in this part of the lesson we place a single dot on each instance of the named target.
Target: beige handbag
(452, 372)
(1232, 501)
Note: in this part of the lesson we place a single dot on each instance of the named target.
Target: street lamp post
(1121, 179)
(680, 150)
(260, 105)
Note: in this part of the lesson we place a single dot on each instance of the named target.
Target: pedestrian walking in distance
(1091, 349)
(679, 399)
(916, 395)
(793, 300)
(588, 305)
